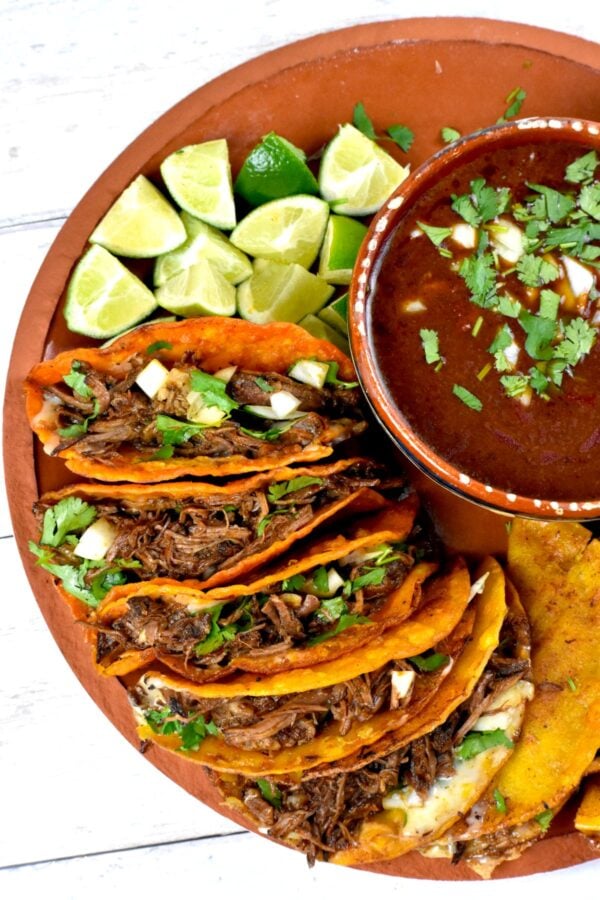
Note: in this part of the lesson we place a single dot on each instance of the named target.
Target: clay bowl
(387, 408)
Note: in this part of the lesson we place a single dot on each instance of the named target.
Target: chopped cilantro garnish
(508, 306)
(514, 385)
(540, 333)
(571, 684)
(260, 528)
(263, 384)
(293, 583)
(270, 792)
(281, 489)
(320, 579)
(467, 397)
(217, 635)
(436, 234)
(344, 621)
(174, 432)
(515, 101)
(589, 200)
(477, 326)
(330, 610)
(544, 819)
(192, 732)
(402, 136)
(430, 343)
(549, 303)
(361, 120)
(582, 169)
(483, 204)
(272, 433)
(534, 271)
(501, 342)
(158, 345)
(430, 663)
(331, 378)
(500, 801)
(75, 378)
(479, 273)
(69, 515)
(538, 381)
(448, 135)
(477, 742)
(579, 338)
(72, 578)
(373, 576)
(213, 391)
(557, 205)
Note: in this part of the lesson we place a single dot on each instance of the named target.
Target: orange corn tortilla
(331, 744)
(216, 343)
(560, 733)
(397, 519)
(587, 817)
(363, 500)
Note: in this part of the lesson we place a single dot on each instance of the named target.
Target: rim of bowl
(443, 472)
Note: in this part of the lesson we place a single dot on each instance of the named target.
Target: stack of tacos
(353, 690)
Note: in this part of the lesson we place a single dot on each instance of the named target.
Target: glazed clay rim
(361, 288)
(562, 847)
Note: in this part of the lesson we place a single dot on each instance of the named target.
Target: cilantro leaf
(263, 384)
(75, 378)
(549, 303)
(572, 238)
(293, 583)
(589, 200)
(331, 377)
(538, 381)
(514, 385)
(544, 819)
(213, 391)
(402, 136)
(332, 609)
(372, 576)
(558, 206)
(174, 432)
(430, 342)
(534, 271)
(320, 579)
(361, 121)
(579, 338)
(508, 306)
(217, 635)
(345, 621)
(515, 101)
(479, 274)
(467, 397)
(477, 742)
(270, 792)
(449, 135)
(429, 663)
(72, 578)
(277, 491)
(582, 169)
(540, 332)
(69, 515)
(272, 433)
(500, 801)
(158, 345)
(501, 342)
(483, 204)
(192, 732)
(436, 234)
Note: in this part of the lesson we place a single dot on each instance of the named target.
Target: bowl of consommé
(475, 317)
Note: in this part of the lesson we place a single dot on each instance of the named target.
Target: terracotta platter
(425, 73)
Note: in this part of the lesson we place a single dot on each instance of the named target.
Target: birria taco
(401, 791)
(96, 537)
(206, 396)
(297, 720)
(337, 595)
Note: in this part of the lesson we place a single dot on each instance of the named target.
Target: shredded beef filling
(120, 416)
(196, 537)
(322, 814)
(255, 625)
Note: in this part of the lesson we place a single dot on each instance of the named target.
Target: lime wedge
(140, 223)
(200, 290)
(104, 298)
(277, 292)
(336, 314)
(274, 168)
(343, 238)
(289, 230)
(199, 180)
(320, 329)
(203, 242)
(357, 176)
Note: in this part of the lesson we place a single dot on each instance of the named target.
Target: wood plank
(247, 866)
(70, 784)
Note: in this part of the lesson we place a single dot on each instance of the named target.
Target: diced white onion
(579, 277)
(512, 354)
(283, 403)
(492, 722)
(200, 413)
(152, 378)
(478, 586)
(334, 581)
(267, 412)
(508, 240)
(310, 371)
(402, 682)
(225, 374)
(96, 541)
(412, 306)
(465, 235)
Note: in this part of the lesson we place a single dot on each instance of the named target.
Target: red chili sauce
(510, 400)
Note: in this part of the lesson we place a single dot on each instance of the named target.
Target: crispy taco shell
(356, 502)
(216, 343)
(393, 524)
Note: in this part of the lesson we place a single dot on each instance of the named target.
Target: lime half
(320, 329)
(140, 223)
(104, 298)
(336, 314)
(199, 180)
(274, 168)
(356, 176)
(203, 242)
(289, 230)
(200, 290)
(278, 292)
(343, 238)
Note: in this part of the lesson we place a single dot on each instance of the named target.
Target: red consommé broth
(547, 449)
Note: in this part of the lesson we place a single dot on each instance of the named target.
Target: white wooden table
(82, 814)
